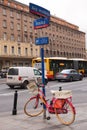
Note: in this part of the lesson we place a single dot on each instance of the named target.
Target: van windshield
(13, 71)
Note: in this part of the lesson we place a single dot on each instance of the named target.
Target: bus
(52, 65)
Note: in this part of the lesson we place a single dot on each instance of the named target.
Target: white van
(20, 76)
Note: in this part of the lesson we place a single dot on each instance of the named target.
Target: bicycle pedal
(48, 118)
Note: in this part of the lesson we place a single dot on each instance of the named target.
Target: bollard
(14, 111)
(60, 88)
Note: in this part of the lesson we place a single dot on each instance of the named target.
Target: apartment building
(17, 36)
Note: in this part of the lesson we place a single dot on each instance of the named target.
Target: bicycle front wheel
(33, 106)
(66, 115)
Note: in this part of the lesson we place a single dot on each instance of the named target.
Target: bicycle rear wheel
(66, 115)
(33, 106)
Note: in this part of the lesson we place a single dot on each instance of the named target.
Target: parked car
(21, 76)
(68, 75)
(3, 73)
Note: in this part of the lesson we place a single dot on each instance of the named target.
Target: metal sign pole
(43, 82)
(41, 23)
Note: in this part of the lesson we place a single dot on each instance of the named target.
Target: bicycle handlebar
(40, 85)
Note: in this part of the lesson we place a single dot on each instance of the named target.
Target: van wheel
(11, 86)
(25, 84)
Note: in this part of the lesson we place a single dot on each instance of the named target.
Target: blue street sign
(41, 23)
(35, 9)
(41, 41)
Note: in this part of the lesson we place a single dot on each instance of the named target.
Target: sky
(73, 11)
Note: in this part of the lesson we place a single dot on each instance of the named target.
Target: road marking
(11, 93)
(47, 87)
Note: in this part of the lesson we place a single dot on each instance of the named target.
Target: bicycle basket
(61, 94)
(59, 103)
(39, 80)
(32, 87)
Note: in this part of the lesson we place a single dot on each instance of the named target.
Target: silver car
(68, 75)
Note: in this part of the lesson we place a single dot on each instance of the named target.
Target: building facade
(17, 36)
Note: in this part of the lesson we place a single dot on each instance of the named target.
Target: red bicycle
(60, 105)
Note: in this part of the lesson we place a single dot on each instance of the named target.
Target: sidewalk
(23, 122)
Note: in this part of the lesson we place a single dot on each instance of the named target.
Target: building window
(46, 51)
(7, 63)
(25, 38)
(5, 49)
(15, 6)
(11, 13)
(4, 36)
(31, 51)
(25, 28)
(36, 52)
(12, 49)
(18, 27)
(4, 11)
(19, 38)
(19, 51)
(26, 64)
(26, 51)
(20, 64)
(30, 30)
(12, 25)
(18, 15)
(25, 18)
(31, 40)
(14, 64)
(30, 19)
(12, 37)
(4, 23)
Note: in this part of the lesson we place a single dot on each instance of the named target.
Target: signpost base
(44, 114)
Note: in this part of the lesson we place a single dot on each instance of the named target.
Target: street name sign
(38, 10)
(41, 23)
(41, 40)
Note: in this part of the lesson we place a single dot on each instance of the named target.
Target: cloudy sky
(73, 11)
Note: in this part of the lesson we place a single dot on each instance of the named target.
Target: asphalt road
(79, 90)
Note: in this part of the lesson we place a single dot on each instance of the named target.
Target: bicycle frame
(44, 101)
(50, 107)
(61, 105)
